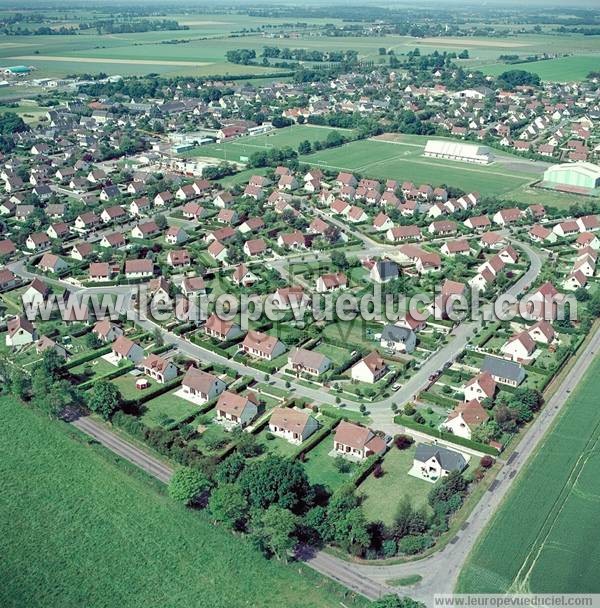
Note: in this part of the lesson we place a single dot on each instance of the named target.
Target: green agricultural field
(403, 160)
(244, 147)
(545, 537)
(563, 69)
(78, 530)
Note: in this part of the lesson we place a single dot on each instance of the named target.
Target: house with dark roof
(432, 462)
(503, 371)
(399, 339)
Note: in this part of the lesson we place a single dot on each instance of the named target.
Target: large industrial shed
(573, 176)
(455, 150)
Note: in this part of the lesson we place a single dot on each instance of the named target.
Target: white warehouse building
(455, 150)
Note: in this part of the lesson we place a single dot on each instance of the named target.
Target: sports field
(403, 160)
(238, 149)
(77, 529)
(545, 538)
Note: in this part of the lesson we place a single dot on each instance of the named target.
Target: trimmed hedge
(437, 399)
(436, 433)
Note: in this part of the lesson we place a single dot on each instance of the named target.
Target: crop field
(404, 161)
(545, 537)
(79, 530)
(563, 69)
(236, 149)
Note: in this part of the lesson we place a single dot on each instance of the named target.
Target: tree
(187, 484)
(158, 337)
(275, 481)
(92, 341)
(228, 506)
(104, 398)
(275, 531)
(229, 470)
(393, 601)
(19, 383)
(304, 147)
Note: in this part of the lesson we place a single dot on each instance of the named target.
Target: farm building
(455, 150)
(573, 177)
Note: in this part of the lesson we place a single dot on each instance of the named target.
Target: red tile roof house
(220, 329)
(369, 369)
(492, 240)
(542, 332)
(520, 348)
(255, 247)
(217, 251)
(37, 241)
(20, 331)
(452, 248)
(140, 206)
(588, 223)
(404, 233)
(178, 258)
(113, 240)
(8, 279)
(116, 213)
(292, 425)
(477, 223)
(236, 410)
(176, 235)
(356, 442)
(227, 216)
(186, 193)
(465, 418)
(199, 386)
(158, 368)
(504, 217)
(7, 248)
(138, 269)
(302, 361)
(382, 223)
(146, 230)
(223, 200)
(162, 199)
(442, 227)
(252, 224)
(106, 331)
(192, 287)
(292, 240)
(331, 282)
(262, 346)
(52, 263)
(543, 304)
(243, 276)
(482, 386)
(101, 271)
(81, 251)
(59, 230)
(124, 348)
(86, 221)
(541, 234)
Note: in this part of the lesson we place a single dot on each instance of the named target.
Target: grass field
(403, 160)
(167, 406)
(383, 495)
(320, 466)
(563, 69)
(241, 148)
(76, 529)
(545, 537)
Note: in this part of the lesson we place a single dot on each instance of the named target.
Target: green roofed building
(574, 177)
(16, 70)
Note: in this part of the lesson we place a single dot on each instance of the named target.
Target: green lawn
(92, 369)
(78, 530)
(545, 537)
(126, 385)
(244, 147)
(383, 495)
(321, 468)
(404, 161)
(167, 407)
(337, 355)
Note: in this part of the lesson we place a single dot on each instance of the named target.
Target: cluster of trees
(273, 52)
(508, 412)
(10, 123)
(111, 26)
(334, 139)
(241, 56)
(272, 157)
(273, 502)
(515, 78)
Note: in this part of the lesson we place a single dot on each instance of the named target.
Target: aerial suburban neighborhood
(299, 305)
